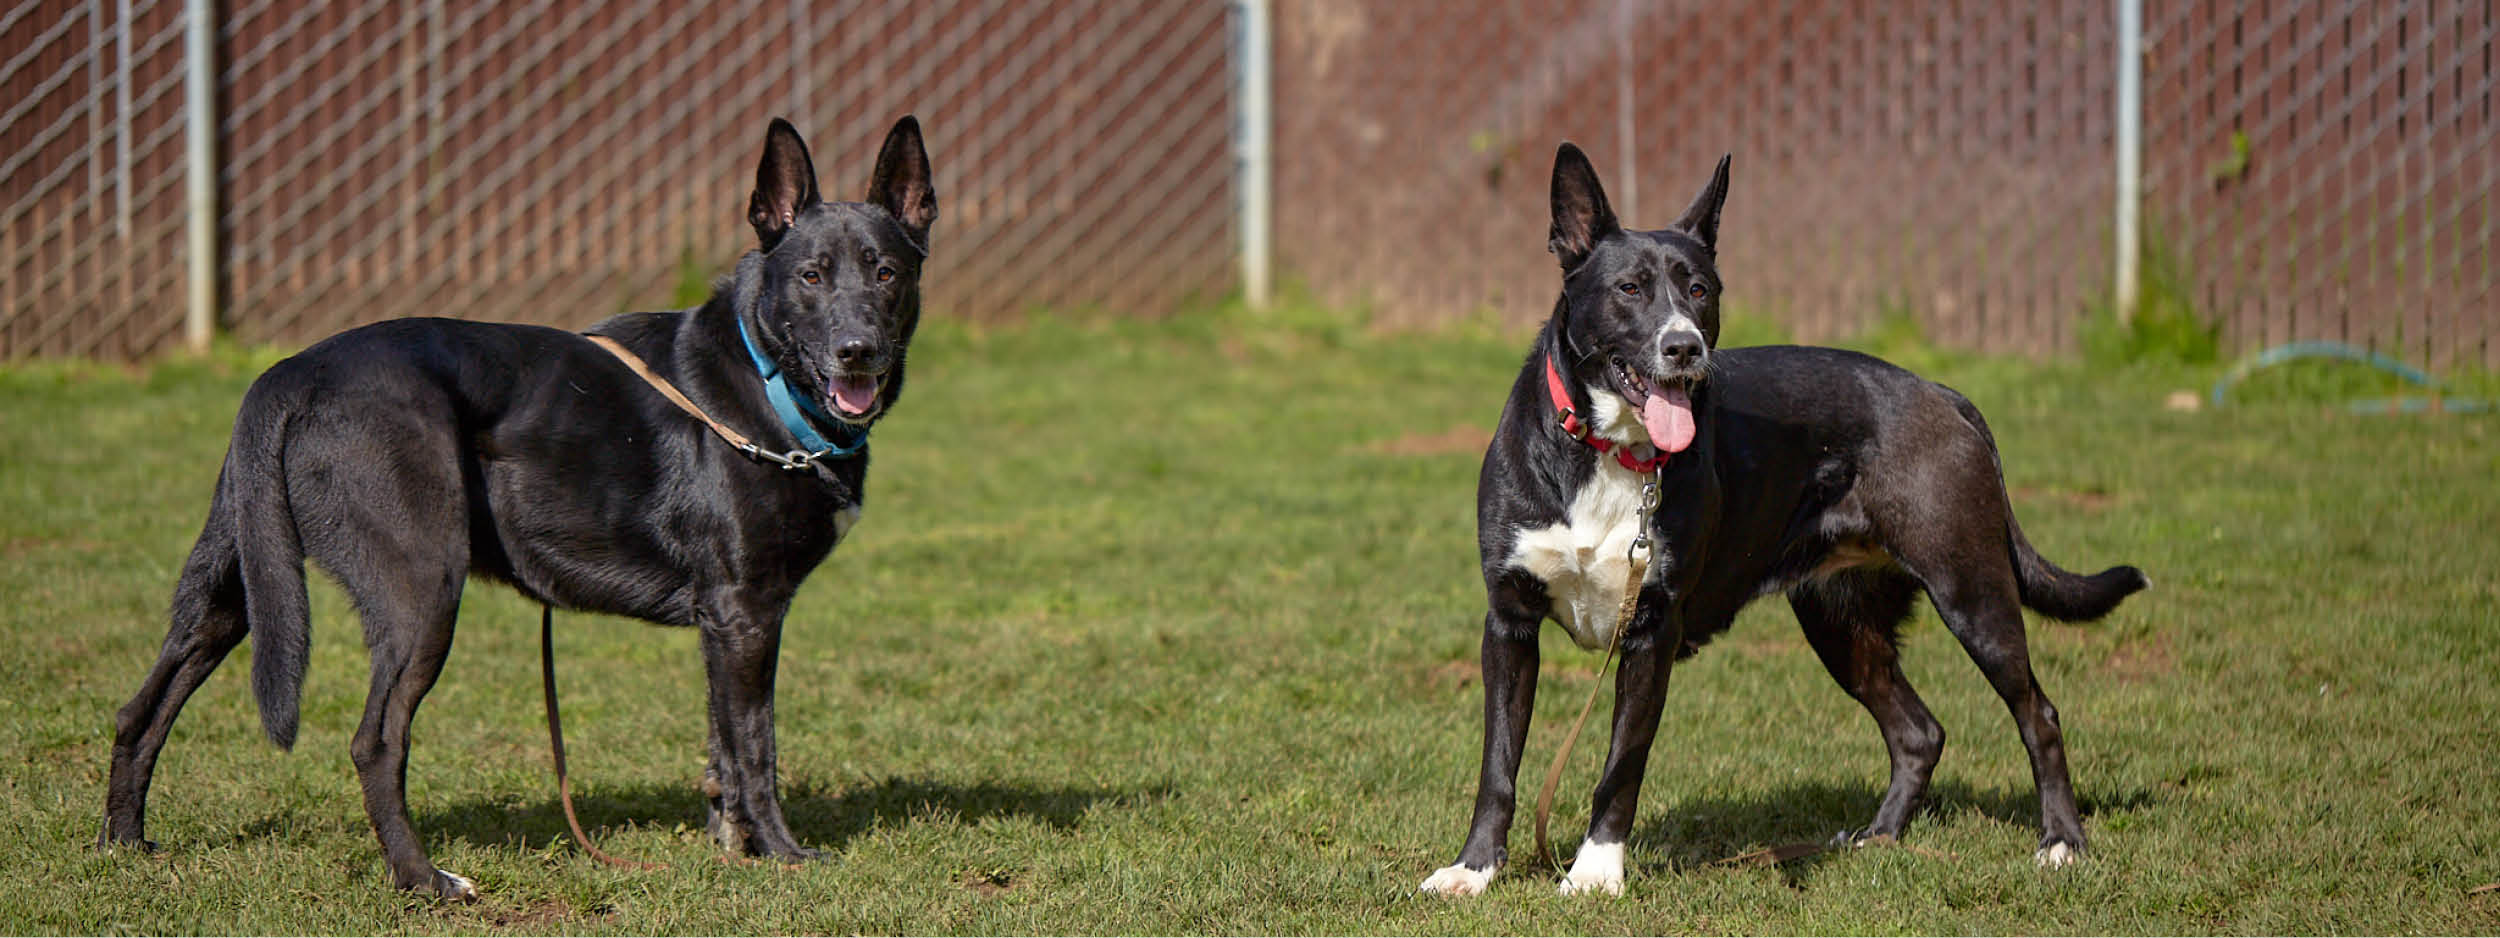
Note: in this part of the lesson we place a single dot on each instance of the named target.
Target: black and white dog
(1846, 482)
(406, 456)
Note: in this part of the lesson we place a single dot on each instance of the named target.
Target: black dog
(1846, 482)
(407, 455)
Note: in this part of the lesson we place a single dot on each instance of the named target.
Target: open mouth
(1665, 404)
(854, 397)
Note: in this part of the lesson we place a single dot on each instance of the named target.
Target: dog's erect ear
(1703, 218)
(1581, 216)
(902, 183)
(785, 184)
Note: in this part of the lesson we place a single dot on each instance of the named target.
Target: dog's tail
(2060, 594)
(253, 488)
(2047, 588)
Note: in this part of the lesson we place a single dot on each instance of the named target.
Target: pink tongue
(855, 395)
(1669, 416)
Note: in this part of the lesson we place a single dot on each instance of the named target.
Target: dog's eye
(885, 274)
(1697, 290)
(811, 276)
(1629, 288)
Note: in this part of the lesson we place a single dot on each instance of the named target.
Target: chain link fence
(557, 161)
(1947, 161)
(1947, 158)
(91, 179)
(2312, 170)
(2325, 170)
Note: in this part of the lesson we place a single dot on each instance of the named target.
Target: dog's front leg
(1640, 695)
(741, 650)
(1509, 661)
(721, 816)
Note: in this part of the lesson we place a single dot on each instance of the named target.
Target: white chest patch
(842, 522)
(1584, 558)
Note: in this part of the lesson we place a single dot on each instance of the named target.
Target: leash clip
(797, 460)
(1649, 508)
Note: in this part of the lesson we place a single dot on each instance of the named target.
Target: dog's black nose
(851, 352)
(1682, 349)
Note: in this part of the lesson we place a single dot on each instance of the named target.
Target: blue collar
(801, 417)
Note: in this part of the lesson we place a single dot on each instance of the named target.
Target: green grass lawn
(1171, 627)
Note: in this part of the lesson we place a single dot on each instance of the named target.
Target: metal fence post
(1253, 161)
(199, 171)
(2130, 121)
(1627, 143)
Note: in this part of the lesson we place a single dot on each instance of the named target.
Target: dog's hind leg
(381, 498)
(408, 626)
(1965, 559)
(1979, 603)
(208, 623)
(1850, 617)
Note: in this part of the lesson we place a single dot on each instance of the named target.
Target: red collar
(1571, 425)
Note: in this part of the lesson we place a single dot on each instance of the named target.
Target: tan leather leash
(1636, 558)
(792, 460)
(555, 739)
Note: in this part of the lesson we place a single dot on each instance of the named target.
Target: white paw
(455, 886)
(1457, 880)
(1598, 869)
(2056, 855)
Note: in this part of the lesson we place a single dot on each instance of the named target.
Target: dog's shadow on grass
(1704, 831)
(822, 817)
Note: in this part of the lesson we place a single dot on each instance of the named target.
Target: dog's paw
(1576, 884)
(797, 854)
(1456, 880)
(1598, 869)
(732, 836)
(2057, 856)
(140, 844)
(454, 886)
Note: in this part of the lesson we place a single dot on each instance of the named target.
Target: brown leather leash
(795, 460)
(1636, 558)
(555, 739)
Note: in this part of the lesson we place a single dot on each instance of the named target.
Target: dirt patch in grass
(2090, 500)
(533, 914)
(1459, 439)
(2142, 660)
(543, 912)
(988, 883)
(1453, 674)
(19, 548)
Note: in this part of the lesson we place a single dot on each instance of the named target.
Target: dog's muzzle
(1665, 403)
